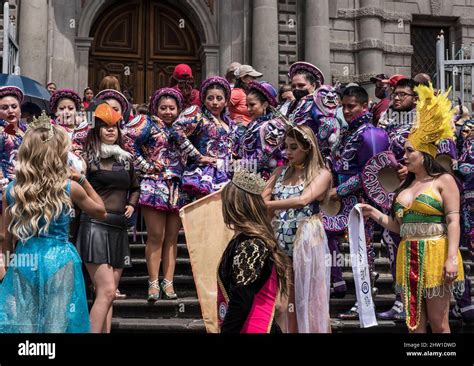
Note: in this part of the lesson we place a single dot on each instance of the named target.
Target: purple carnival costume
(200, 133)
(316, 111)
(260, 148)
(358, 144)
(464, 308)
(10, 139)
(157, 155)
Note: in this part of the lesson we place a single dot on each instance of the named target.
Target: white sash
(360, 268)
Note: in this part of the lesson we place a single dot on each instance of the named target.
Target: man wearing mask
(305, 78)
(382, 93)
(182, 80)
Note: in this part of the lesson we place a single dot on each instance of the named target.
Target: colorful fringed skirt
(422, 254)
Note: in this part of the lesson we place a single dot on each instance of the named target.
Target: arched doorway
(140, 42)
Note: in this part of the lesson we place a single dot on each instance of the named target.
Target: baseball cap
(245, 70)
(378, 77)
(182, 71)
(394, 79)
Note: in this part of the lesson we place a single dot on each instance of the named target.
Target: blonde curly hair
(41, 176)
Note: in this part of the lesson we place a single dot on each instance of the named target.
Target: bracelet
(452, 212)
(82, 179)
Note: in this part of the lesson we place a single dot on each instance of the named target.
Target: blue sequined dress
(43, 290)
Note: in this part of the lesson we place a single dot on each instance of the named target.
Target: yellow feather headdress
(434, 114)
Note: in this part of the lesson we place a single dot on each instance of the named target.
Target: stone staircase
(135, 314)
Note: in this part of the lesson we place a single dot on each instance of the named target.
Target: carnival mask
(325, 98)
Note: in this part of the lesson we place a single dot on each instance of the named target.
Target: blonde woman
(292, 195)
(44, 293)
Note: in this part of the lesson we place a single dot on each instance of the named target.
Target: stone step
(137, 286)
(192, 326)
(140, 308)
(384, 283)
(176, 325)
(141, 237)
(183, 266)
(389, 326)
(137, 250)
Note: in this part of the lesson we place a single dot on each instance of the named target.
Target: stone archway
(197, 11)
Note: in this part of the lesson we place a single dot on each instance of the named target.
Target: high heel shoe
(156, 285)
(167, 295)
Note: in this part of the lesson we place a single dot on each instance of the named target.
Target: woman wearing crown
(293, 194)
(425, 212)
(252, 270)
(46, 294)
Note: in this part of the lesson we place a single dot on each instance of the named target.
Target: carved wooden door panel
(140, 42)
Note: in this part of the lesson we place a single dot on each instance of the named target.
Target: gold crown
(42, 121)
(433, 120)
(249, 182)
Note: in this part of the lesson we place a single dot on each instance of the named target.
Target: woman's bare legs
(108, 322)
(155, 222)
(170, 247)
(102, 276)
(438, 312)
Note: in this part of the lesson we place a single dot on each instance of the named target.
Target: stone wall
(288, 26)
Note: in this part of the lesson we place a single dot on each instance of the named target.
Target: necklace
(299, 166)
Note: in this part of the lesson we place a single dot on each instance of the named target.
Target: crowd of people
(290, 163)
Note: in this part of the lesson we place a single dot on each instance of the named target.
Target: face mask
(298, 93)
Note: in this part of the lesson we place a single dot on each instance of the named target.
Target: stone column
(209, 55)
(370, 42)
(225, 34)
(317, 36)
(265, 39)
(83, 45)
(231, 33)
(33, 39)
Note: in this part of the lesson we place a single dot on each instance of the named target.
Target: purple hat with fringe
(306, 66)
(206, 84)
(114, 94)
(170, 92)
(64, 94)
(267, 89)
(12, 91)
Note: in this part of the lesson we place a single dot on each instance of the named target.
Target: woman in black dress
(103, 245)
(253, 269)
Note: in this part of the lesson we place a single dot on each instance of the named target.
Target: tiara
(249, 182)
(42, 121)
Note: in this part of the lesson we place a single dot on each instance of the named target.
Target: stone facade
(351, 40)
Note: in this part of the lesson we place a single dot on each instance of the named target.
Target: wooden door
(140, 42)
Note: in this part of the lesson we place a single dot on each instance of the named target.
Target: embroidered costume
(261, 145)
(247, 287)
(201, 133)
